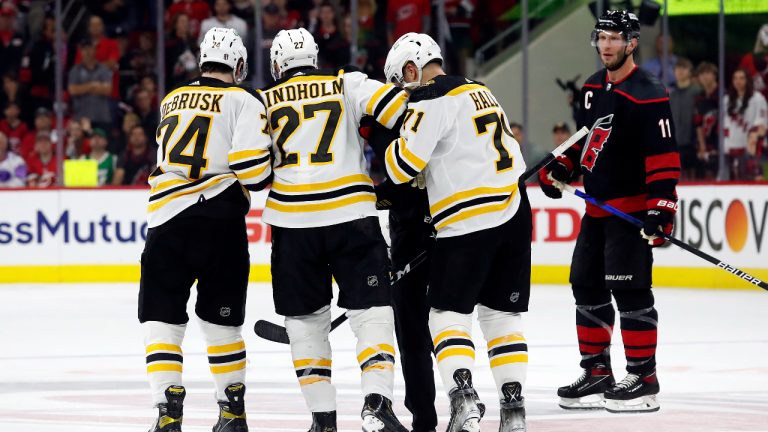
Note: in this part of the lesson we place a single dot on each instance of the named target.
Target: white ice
(72, 359)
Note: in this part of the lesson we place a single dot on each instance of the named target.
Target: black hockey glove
(385, 194)
(378, 136)
(558, 170)
(547, 187)
(660, 216)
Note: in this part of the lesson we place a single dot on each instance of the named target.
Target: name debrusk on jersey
(320, 175)
(210, 136)
(456, 132)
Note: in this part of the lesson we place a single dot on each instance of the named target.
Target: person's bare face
(682, 73)
(96, 27)
(740, 81)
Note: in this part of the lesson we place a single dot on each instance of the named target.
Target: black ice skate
(323, 422)
(512, 408)
(634, 394)
(378, 416)
(232, 412)
(465, 412)
(170, 413)
(587, 391)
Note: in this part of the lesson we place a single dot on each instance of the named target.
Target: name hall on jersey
(291, 92)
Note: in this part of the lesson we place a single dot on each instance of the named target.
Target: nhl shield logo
(514, 297)
(225, 311)
(373, 281)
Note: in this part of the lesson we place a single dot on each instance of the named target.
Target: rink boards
(96, 235)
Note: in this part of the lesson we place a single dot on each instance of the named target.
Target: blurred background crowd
(113, 81)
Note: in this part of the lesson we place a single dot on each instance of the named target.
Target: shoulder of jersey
(643, 86)
(440, 86)
(596, 80)
(311, 73)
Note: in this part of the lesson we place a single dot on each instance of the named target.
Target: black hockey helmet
(618, 21)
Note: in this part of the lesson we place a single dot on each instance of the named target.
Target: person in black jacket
(629, 160)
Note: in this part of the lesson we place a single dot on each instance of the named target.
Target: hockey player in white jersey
(457, 134)
(212, 147)
(324, 224)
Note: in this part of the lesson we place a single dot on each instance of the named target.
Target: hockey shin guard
(452, 340)
(594, 329)
(164, 357)
(375, 328)
(639, 333)
(226, 355)
(311, 352)
(507, 350)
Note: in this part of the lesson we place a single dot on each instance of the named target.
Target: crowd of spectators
(111, 93)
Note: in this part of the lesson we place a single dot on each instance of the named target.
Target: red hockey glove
(660, 216)
(559, 169)
(365, 129)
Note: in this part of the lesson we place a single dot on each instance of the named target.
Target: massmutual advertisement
(97, 236)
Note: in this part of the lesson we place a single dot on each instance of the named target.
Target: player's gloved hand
(366, 128)
(547, 186)
(385, 192)
(660, 216)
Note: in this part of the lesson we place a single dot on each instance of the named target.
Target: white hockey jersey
(738, 126)
(211, 135)
(456, 132)
(320, 176)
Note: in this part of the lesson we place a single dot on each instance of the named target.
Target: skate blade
(372, 424)
(471, 425)
(590, 402)
(638, 405)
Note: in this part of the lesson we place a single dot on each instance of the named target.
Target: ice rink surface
(72, 359)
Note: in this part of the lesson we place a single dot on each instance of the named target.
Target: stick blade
(271, 332)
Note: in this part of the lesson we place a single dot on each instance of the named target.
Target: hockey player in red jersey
(629, 160)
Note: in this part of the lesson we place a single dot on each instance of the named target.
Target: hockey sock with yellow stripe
(226, 355)
(311, 353)
(164, 358)
(452, 341)
(507, 348)
(374, 328)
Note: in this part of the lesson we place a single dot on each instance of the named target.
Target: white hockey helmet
(418, 48)
(291, 49)
(223, 45)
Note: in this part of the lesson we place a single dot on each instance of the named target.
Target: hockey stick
(555, 153)
(638, 223)
(277, 333)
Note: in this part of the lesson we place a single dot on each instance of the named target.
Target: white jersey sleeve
(456, 132)
(250, 156)
(384, 102)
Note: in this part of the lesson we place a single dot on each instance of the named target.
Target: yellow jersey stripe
(315, 187)
(200, 88)
(465, 88)
(288, 208)
(474, 211)
(157, 204)
(311, 362)
(222, 349)
(507, 359)
(228, 368)
(364, 354)
(259, 170)
(397, 172)
(464, 351)
(408, 155)
(376, 97)
(164, 367)
(448, 333)
(162, 347)
(312, 380)
(493, 343)
(245, 154)
(168, 183)
(445, 202)
(394, 107)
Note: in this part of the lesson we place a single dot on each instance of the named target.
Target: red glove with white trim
(659, 216)
(561, 170)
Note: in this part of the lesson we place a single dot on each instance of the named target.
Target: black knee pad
(632, 300)
(590, 296)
